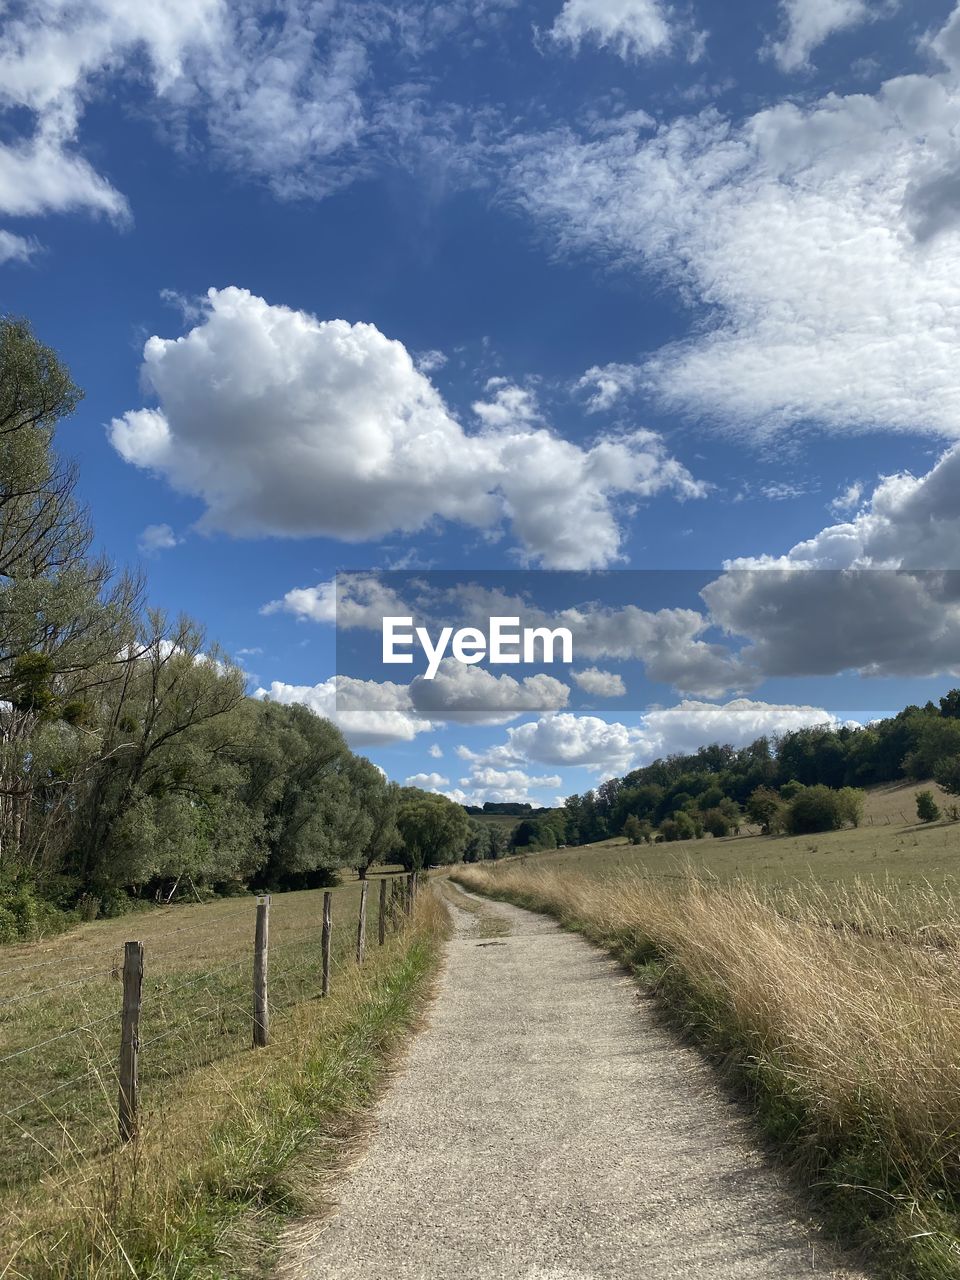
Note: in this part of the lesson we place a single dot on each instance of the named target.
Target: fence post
(362, 923)
(382, 919)
(130, 1039)
(325, 939)
(261, 952)
(408, 904)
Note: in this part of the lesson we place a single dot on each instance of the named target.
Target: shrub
(717, 822)
(927, 808)
(680, 827)
(637, 831)
(820, 808)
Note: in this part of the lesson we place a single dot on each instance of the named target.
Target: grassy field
(220, 1121)
(890, 844)
(822, 973)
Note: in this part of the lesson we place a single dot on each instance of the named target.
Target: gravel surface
(544, 1127)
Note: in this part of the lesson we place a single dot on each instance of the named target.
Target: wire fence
(81, 1057)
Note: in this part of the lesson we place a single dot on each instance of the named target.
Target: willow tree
(64, 619)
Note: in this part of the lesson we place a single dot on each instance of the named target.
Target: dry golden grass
(846, 1023)
(221, 1122)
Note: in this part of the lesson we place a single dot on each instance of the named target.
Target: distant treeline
(132, 765)
(806, 780)
(510, 809)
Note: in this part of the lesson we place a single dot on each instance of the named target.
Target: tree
(821, 808)
(927, 808)
(432, 828)
(947, 775)
(496, 842)
(680, 827)
(717, 822)
(380, 801)
(637, 831)
(765, 808)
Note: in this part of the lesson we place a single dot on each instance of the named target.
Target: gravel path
(543, 1127)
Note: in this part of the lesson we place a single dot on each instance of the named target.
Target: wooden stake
(325, 939)
(362, 924)
(261, 953)
(408, 904)
(382, 920)
(130, 1039)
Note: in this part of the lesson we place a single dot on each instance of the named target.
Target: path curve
(544, 1127)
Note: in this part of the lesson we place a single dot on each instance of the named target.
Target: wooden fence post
(325, 939)
(408, 904)
(382, 919)
(362, 924)
(130, 1039)
(261, 953)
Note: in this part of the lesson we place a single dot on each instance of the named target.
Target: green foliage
(682, 826)
(637, 830)
(432, 828)
(927, 808)
(765, 808)
(947, 774)
(820, 808)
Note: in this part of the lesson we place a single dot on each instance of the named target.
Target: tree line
(132, 763)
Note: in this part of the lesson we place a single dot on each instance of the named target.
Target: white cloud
(157, 537)
(847, 499)
(282, 93)
(15, 248)
(473, 695)
(630, 28)
(512, 786)
(610, 748)
(435, 751)
(821, 243)
(884, 606)
(284, 424)
(429, 781)
(605, 684)
(367, 713)
(809, 23)
(318, 604)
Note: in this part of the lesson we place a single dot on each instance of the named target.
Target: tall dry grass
(843, 1018)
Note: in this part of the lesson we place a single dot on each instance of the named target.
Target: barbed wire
(42, 1044)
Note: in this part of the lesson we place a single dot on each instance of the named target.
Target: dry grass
(891, 844)
(213, 1173)
(845, 1024)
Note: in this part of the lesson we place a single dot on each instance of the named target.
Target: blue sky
(580, 285)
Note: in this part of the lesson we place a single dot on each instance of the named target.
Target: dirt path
(543, 1127)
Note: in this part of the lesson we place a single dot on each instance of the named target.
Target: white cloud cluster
(607, 748)
(604, 684)
(822, 239)
(474, 695)
(368, 713)
(878, 593)
(630, 28)
(283, 91)
(809, 23)
(289, 425)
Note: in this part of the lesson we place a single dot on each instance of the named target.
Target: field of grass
(890, 844)
(221, 1122)
(822, 973)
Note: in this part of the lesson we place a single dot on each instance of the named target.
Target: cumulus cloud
(428, 781)
(808, 23)
(435, 751)
(368, 713)
(630, 28)
(613, 748)
(157, 537)
(474, 695)
(288, 425)
(821, 240)
(511, 786)
(605, 684)
(878, 593)
(318, 604)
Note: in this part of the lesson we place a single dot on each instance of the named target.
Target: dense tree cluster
(131, 760)
(806, 780)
